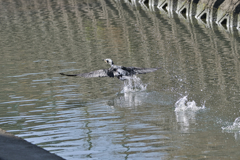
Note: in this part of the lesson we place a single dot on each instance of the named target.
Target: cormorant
(120, 72)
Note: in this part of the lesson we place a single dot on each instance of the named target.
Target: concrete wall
(13, 148)
(221, 12)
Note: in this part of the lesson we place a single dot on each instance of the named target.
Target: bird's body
(120, 72)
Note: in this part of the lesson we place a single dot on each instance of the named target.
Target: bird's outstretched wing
(97, 73)
(144, 70)
(136, 70)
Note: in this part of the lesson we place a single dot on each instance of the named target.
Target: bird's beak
(104, 60)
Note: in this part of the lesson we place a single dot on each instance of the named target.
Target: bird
(120, 72)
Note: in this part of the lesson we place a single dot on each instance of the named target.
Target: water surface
(186, 111)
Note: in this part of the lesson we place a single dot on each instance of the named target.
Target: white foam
(133, 84)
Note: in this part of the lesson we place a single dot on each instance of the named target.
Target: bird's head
(108, 61)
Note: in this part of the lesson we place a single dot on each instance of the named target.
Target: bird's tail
(68, 74)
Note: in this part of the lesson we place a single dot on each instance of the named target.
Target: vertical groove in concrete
(167, 5)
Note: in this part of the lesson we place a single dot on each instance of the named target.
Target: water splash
(133, 84)
(233, 128)
(184, 105)
(185, 112)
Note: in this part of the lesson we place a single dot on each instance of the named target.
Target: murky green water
(79, 118)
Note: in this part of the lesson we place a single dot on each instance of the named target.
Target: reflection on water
(133, 99)
(79, 118)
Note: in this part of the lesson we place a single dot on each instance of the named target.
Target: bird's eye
(107, 61)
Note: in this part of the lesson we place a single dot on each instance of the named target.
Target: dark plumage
(115, 71)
